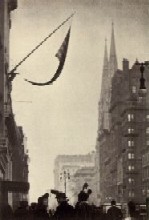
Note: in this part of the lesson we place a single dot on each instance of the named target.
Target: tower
(104, 96)
(109, 68)
(113, 57)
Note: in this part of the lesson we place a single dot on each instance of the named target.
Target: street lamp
(142, 79)
(65, 175)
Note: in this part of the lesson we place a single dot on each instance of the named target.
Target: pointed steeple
(105, 73)
(105, 63)
(104, 96)
(113, 56)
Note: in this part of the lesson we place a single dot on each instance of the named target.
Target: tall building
(69, 167)
(122, 148)
(13, 157)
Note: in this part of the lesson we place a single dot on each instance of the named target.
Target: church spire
(105, 63)
(113, 56)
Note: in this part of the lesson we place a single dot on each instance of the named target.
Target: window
(130, 155)
(131, 167)
(143, 192)
(131, 193)
(147, 130)
(131, 180)
(130, 117)
(143, 160)
(130, 130)
(134, 89)
(147, 117)
(130, 143)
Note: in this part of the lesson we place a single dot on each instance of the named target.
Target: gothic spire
(105, 63)
(113, 56)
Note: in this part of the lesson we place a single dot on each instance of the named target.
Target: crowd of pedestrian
(64, 211)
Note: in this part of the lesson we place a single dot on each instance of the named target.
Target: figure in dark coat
(40, 212)
(114, 213)
(22, 213)
(64, 211)
(83, 209)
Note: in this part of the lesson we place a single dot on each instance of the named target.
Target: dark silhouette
(40, 212)
(22, 213)
(64, 211)
(132, 209)
(83, 210)
(114, 213)
(6, 213)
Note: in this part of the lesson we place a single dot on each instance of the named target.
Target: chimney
(125, 65)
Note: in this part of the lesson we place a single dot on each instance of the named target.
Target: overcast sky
(62, 118)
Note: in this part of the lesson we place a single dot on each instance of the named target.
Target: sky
(63, 118)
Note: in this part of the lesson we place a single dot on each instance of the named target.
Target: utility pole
(65, 175)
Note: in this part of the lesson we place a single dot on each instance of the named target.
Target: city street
(74, 110)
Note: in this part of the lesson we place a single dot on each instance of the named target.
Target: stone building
(13, 156)
(65, 169)
(122, 161)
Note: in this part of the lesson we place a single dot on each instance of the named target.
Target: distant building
(122, 160)
(13, 156)
(71, 164)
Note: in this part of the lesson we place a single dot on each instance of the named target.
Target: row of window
(131, 180)
(131, 143)
(131, 167)
(131, 156)
(131, 130)
(131, 117)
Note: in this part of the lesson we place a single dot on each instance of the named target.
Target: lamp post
(142, 79)
(65, 175)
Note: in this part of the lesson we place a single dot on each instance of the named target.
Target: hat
(85, 185)
(23, 203)
(61, 195)
(45, 196)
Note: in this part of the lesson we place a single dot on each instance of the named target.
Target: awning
(14, 186)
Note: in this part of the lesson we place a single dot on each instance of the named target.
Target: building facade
(65, 170)
(122, 153)
(123, 149)
(13, 156)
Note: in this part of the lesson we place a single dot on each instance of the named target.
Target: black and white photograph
(74, 109)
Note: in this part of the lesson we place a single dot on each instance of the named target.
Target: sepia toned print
(74, 109)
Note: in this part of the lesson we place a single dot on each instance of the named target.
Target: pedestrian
(22, 212)
(64, 211)
(41, 208)
(132, 210)
(83, 211)
(6, 212)
(114, 213)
